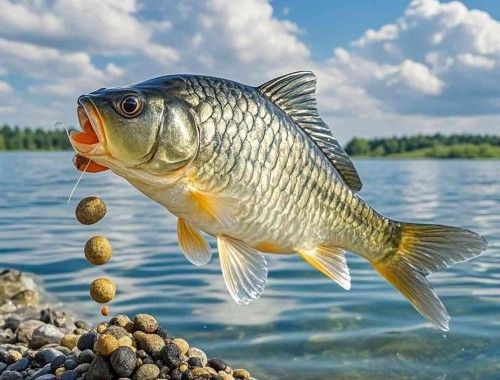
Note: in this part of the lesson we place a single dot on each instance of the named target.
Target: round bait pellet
(98, 250)
(102, 290)
(90, 210)
(104, 311)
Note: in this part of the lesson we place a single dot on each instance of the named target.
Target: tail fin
(425, 249)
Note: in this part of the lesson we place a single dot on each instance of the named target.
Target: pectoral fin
(218, 207)
(331, 262)
(193, 244)
(244, 269)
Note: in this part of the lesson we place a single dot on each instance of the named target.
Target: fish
(259, 170)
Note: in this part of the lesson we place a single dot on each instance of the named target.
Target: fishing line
(79, 179)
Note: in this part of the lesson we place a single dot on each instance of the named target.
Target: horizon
(392, 69)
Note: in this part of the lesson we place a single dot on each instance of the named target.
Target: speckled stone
(90, 210)
(171, 355)
(147, 372)
(145, 323)
(151, 343)
(123, 361)
(194, 352)
(241, 374)
(70, 341)
(106, 344)
(183, 345)
(99, 369)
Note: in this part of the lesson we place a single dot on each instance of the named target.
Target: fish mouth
(90, 142)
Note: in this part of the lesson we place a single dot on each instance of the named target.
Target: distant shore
(462, 146)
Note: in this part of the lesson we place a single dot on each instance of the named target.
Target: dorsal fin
(295, 94)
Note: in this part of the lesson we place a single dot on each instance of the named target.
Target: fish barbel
(258, 169)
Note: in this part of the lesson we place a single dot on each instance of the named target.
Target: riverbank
(41, 340)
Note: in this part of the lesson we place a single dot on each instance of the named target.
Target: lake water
(304, 326)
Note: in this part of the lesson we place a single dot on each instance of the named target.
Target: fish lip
(88, 114)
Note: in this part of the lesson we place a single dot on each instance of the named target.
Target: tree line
(32, 139)
(437, 145)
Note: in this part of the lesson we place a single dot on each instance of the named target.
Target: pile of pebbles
(47, 343)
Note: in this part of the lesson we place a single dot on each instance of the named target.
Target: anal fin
(331, 262)
(244, 269)
(193, 244)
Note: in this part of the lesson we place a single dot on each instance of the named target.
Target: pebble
(125, 341)
(217, 364)
(19, 365)
(145, 323)
(70, 375)
(13, 356)
(122, 321)
(57, 362)
(102, 290)
(11, 375)
(123, 361)
(241, 374)
(194, 352)
(82, 368)
(171, 355)
(116, 331)
(87, 341)
(183, 345)
(70, 341)
(45, 334)
(106, 344)
(24, 331)
(151, 343)
(86, 356)
(147, 372)
(98, 250)
(70, 364)
(99, 369)
(90, 210)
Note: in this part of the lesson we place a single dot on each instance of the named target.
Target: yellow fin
(193, 244)
(331, 262)
(244, 269)
(216, 206)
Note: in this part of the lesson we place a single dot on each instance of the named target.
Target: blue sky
(385, 67)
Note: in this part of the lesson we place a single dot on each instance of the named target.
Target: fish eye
(130, 105)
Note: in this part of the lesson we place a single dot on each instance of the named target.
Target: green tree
(358, 147)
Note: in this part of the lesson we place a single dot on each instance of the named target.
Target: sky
(384, 68)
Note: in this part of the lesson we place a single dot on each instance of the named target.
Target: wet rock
(45, 334)
(99, 369)
(47, 355)
(194, 352)
(123, 361)
(145, 323)
(19, 365)
(217, 364)
(147, 372)
(87, 341)
(85, 356)
(70, 375)
(70, 363)
(25, 330)
(171, 355)
(183, 345)
(57, 362)
(151, 343)
(116, 331)
(11, 375)
(106, 344)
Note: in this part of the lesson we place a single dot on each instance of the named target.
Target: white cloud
(437, 59)
(5, 87)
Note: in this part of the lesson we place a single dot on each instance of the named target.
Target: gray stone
(41, 372)
(99, 369)
(70, 364)
(70, 375)
(57, 362)
(48, 376)
(82, 368)
(47, 355)
(197, 353)
(87, 341)
(123, 361)
(85, 356)
(2, 367)
(20, 365)
(44, 335)
(11, 375)
(25, 330)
